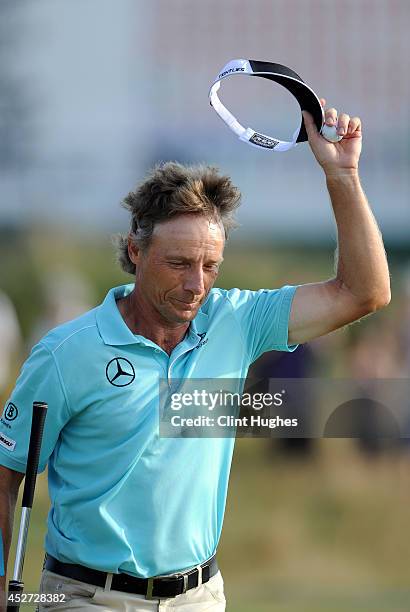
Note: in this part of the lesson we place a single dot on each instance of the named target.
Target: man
(127, 505)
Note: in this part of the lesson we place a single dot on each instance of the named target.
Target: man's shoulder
(75, 332)
(223, 300)
(229, 297)
(216, 296)
(236, 299)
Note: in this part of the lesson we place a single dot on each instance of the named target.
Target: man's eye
(177, 264)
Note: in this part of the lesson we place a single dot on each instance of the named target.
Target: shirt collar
(113, 329)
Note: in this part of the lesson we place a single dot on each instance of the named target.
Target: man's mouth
(187, 305)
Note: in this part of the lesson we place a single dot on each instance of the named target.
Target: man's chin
(184, 315)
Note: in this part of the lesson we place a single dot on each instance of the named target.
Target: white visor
(282, 75)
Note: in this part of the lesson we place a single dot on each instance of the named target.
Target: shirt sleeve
(263, 317)
(39, 380)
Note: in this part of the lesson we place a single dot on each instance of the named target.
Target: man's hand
(339, 158)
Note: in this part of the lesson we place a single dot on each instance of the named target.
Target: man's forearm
(7, 507)
(361, 259)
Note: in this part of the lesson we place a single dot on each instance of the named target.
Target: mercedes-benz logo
(120, 372)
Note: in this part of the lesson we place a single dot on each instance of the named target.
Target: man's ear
(133, 251)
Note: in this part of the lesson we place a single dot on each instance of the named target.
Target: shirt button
(157, 350)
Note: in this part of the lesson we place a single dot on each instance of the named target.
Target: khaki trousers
(83, 597)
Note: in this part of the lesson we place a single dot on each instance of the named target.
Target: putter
(16, 585)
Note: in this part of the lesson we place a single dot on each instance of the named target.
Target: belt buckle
(150, 586)
(184, 581)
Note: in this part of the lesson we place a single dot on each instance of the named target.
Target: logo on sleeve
(120, 372)
(7, 442)
(10, 412)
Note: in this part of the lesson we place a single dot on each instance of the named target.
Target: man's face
(177, 271)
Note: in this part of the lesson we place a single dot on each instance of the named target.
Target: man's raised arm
(362, 281)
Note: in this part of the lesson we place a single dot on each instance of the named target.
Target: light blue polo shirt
(122, 498)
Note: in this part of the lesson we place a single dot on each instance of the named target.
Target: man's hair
(172, 189)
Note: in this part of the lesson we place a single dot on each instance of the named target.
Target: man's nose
(194, 281)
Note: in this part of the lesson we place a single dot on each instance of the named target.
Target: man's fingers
(330, 116)
(355, 124)
(345, 124)
(309, 123)
(342, 124)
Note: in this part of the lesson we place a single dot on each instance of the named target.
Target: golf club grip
(36, 435)
(15, 587)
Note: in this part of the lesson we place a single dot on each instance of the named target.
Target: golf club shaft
(16, 585)
(21, 544)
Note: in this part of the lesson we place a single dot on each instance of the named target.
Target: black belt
(156, 587)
